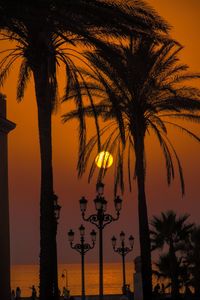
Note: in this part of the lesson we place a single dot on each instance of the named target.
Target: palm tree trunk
(145, 247)
(47, 220)
(174, 272)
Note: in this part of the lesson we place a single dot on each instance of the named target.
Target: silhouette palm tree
(173, 231)
(193, 258)
(164, 272)
(139, 90)
(40, 31)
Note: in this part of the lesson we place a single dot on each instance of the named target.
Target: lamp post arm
(122, 251)
(82, 248)
(127, 250)
(88, 247)
(117, 250)
(93, 219)
(77, 247)
(107, 219)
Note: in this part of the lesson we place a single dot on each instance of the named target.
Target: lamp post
(100, 220)
(82, 248)
(123, 251)
(57, 209)
(65, 276)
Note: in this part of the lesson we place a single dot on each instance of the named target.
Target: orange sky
(24, 166)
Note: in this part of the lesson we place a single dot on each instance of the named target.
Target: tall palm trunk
(174, 272)
(48, 282)
(145, 248)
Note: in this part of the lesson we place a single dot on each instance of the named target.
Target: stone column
(138, 293)
(5, 127)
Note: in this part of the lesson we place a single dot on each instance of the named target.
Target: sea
(69, 275)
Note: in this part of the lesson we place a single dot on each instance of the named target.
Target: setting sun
(104, 160)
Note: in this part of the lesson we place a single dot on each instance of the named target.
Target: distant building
(5, 127)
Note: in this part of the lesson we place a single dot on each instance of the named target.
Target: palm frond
(24, 76)
(166, 152)
(185, 130)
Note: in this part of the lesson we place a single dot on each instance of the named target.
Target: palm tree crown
(169, 229)
(141, 89)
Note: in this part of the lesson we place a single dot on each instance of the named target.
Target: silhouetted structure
(100, 220)
(82, 248)
(123, 251)
(5, 127)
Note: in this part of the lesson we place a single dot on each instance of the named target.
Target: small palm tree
(140, 90)
(44, 34)
(163, 271)
(193, 258)
(171, 231)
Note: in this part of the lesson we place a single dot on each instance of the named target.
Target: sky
(24, 163)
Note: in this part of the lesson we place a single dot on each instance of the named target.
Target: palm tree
(193, 258)
(172, 231)
(44, 34)
(163, 271)
(139, 91)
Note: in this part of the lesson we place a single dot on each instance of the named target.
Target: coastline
(89, 297)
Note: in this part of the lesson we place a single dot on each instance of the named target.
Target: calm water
(27, 275)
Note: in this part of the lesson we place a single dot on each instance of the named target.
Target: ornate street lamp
(82, 248)
(100, 220)
(123, 251)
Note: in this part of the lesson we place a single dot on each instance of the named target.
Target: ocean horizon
(25, 276)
